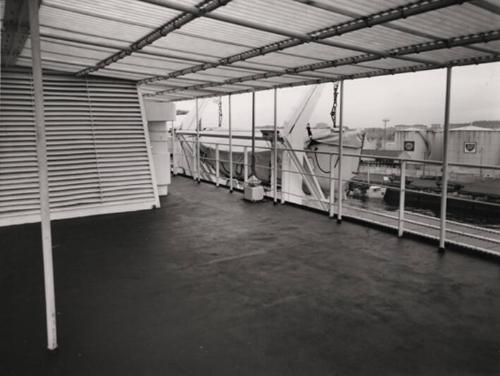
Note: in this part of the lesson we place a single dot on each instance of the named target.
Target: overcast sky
(411, 98)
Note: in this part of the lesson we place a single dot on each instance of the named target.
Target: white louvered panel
(117, 147)
(18, 164)
(96, 145)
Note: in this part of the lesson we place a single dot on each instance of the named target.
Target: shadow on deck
(212, 285)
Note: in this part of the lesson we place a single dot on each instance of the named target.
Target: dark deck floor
(212, 285)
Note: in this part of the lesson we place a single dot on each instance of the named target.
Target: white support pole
(230, 147)
(41, 148)
(341, 147)
(217, 167)
(252, 167)
(331, 197)
(275, 148)
(402, 193)
(193, 170)
(245, 164)
(444, 180)
(198, 172)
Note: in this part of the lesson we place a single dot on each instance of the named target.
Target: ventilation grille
(96, 144)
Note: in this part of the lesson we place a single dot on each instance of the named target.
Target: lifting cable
(333, 115)
(333, 112)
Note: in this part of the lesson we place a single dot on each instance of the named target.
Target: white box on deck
(253, 193)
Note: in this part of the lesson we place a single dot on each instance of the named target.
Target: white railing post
(444, 180)
(230, 148)
(43, 176)
(193, 148)
(217, 167)
(174, 154)
(245, 165)
(275, 148)
(331, 198)
(252, 167)
(402, 192)
(341, 146)
(284, 166)
(198, 172)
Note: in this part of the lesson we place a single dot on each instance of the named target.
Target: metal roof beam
(459, 41)
(114, 44)
(203, 8)
(117, 19)
(15, 30)
(334, 9)
(408, 69)
(487, 5)
(317, 36)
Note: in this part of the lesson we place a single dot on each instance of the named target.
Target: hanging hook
(220, 112)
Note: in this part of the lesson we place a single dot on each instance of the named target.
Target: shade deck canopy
(189, 49)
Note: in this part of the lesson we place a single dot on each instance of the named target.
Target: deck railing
(401, 216)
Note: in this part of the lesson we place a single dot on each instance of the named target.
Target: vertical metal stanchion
(341, 147)
(252, 168)
(444, 180)
(284, 167)
(275, 148)
(245, 164)
(198, 172)
(41, 148)
(402, 185)
(331, 198)
(230, 147)
(193, 169)
(217, 167)
(174, 154)
(193, 143)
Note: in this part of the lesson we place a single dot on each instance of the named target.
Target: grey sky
(405, 99)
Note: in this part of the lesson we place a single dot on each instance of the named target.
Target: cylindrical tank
(474, 145)
(435, 140)
(413, 141)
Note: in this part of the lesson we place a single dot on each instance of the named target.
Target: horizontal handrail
(365, 156)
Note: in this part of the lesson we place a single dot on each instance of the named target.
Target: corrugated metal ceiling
(261, 42)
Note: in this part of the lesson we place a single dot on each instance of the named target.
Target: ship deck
(211, 285)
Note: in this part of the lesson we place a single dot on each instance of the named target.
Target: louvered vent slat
(96, 146)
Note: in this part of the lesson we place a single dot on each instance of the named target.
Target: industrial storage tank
(435, 140)
(413, 141)
(474, 145)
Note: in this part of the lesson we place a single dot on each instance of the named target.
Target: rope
(319, 166)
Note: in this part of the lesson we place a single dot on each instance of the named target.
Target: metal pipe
(331, 198)
(154, 35)
(341, 146)
(444, 181)
(252, 170)
(275, 147)
(230, 146)
(41, 148)
(402, 193)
